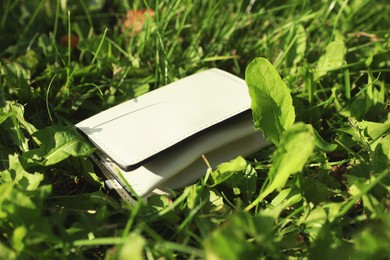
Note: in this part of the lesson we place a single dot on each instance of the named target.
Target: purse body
(155, 142)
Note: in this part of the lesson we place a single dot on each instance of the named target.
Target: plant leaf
(58, 143)
(296, 146)
(321, 143)
(284, 199)
(132, 247)
(289, 158)
(332, 59)
(230, 241)
(244, 182)
(18, 77)
(381, 155)
(5, 115)
(374, 129)
(272, 107)
(227, 169)
(14, 126)
(298, 48)
(16, 174)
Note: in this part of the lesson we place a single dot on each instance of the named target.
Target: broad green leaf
(225, 170)
(371, 101)
(285, 198)
(5, 115)
(17, 78)
(21, 207)
(381, 156)
(18, 175)
(216, 202)
(321, 143)
(300, 44)
(373, 129)
(211, 201)
(314, 219)
(161, 203)
(330, 245)
(87, 170)
(16, 124)
(58, 143)
(272, 107)
(332, 59)
(244, 183)
(367, 132)
(296, 49)
(6, 253)
(373, 241)
(18, 110)
(132, 248)
(296, 146)
(17, 238)
(315, 191)
(371, 205)
(289, 158)
(29, 60)
(243, 237)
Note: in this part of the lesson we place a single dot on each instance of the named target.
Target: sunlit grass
(62, 61)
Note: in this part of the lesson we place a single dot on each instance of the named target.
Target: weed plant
(320, 192)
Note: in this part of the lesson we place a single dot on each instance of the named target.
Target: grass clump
(62, 61)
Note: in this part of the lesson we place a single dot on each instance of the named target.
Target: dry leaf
(135, 19)
(74, 40)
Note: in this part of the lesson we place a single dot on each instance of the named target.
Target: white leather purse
(155, 142)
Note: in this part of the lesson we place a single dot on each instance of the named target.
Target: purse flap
(137, 129)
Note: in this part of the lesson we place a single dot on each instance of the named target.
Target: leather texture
(156, 142)
(133, 131)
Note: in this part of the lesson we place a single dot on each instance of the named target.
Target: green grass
(332, 204)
